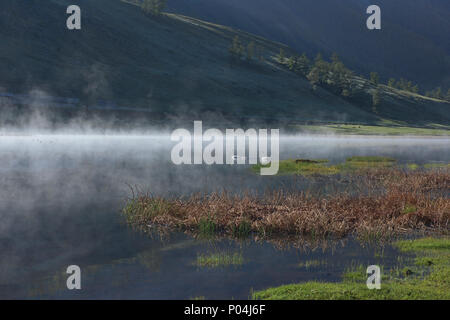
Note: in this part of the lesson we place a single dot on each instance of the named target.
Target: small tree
(391, 83)
(314, 77)
(250, 50)
(376, 100)
(236, 49)
(338, 77)
(318, 58)
(292, 63)
(409, 86)
(402, 84)
(447, 96)
(374, 78)
(260, 53)
(335, 58)
(281, 56)
(319, 72)
(303, 65)
(438, 93)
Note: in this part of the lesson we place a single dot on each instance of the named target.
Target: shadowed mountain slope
(173, 66)
(413, 42)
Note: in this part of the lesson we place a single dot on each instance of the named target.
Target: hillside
(413, 42)
(174, 66)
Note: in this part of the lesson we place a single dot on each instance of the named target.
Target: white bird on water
(265, 160)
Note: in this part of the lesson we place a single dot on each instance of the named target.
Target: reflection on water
(59, 203)
(169, 270)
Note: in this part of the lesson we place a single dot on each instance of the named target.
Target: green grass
(430, 165)
(219, 259)
(242, 230)
(428, 278)
(301, 167)
(134, 210)
(346, 129)
(409, 208)
(425, 245)
(412, 166)
(307, 167)
(207, 228)
(312, 264)
(366, 162)
(370, 159)
(436, 165)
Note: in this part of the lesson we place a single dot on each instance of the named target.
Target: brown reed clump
(389, 202)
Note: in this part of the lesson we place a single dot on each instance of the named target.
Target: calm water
(60, 198)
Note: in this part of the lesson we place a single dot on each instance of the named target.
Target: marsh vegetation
(427, 277)
(322, 167)
(379, 203)
(219, 259)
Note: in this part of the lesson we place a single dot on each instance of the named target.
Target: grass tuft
(425, 281)
(219, 259)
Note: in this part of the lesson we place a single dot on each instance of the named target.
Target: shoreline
(118, 133)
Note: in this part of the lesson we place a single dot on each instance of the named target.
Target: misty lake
(60, 202)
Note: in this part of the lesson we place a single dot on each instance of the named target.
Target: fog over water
(60, 198)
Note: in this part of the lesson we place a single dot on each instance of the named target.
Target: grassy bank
(381, 130)
(322, 167)
(389, 202)
(219, 259)
(428, 277)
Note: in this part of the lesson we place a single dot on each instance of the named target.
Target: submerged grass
(206, 227)
(393, 202)
(308, 264)
(428, 279)
(219, 259)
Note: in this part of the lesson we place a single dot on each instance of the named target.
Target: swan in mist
(265, 160)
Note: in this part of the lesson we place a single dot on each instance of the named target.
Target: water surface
(60, 198)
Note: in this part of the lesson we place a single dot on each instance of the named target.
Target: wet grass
(391, 202)
(302, 167)
(356, 164)
(428, 278)
(308, 264)
(425, 245)
(370, 159)
(409, 208)
(137, 210)
(206, 227)
(307, 167)
(242, 229)
(436, 165)
(360, 163)
(381, 130)
(412, 166)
